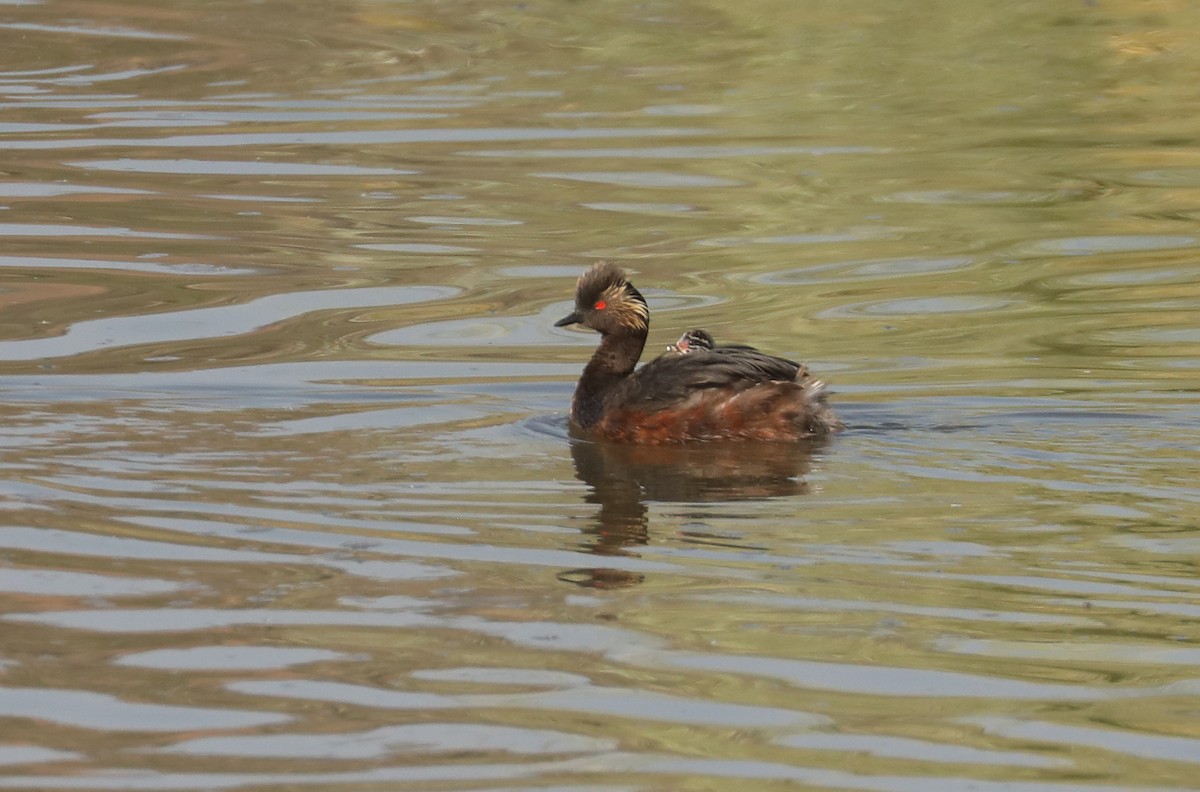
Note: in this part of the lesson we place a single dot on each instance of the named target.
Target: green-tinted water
(289, 499)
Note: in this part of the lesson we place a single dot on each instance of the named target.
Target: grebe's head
(606, 301)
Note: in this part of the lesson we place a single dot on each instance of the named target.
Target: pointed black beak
(570, 319)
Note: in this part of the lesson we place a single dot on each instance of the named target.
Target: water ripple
(353, 138)
(836, 271)
(1092, 245)
(594, 701)
(94, 30)
(646, 179)
(390, 740)
(927, 306)
(102, 712)
(145, 265)
(1147, 746)
(215, 322)
(114, 232)
(255, 167)
(228, 658)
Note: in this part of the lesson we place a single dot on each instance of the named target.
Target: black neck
(613, 361)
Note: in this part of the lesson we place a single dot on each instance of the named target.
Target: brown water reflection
(623, 479)
(288, 499)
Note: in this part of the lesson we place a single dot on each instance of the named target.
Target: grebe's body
(696, 391)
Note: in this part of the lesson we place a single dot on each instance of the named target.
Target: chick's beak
(570, 319)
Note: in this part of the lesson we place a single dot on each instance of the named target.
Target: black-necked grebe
(698, 392)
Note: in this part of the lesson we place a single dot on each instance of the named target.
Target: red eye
(600, 305)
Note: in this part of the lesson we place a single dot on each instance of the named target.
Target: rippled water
(289, 498)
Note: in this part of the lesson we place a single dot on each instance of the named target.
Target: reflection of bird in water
(625, 478)
(702, 392)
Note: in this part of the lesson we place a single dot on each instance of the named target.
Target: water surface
(289, 496)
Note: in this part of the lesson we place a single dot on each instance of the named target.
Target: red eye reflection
(601, 305)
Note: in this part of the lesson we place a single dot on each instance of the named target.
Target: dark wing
(748, 352)
(671, 379)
